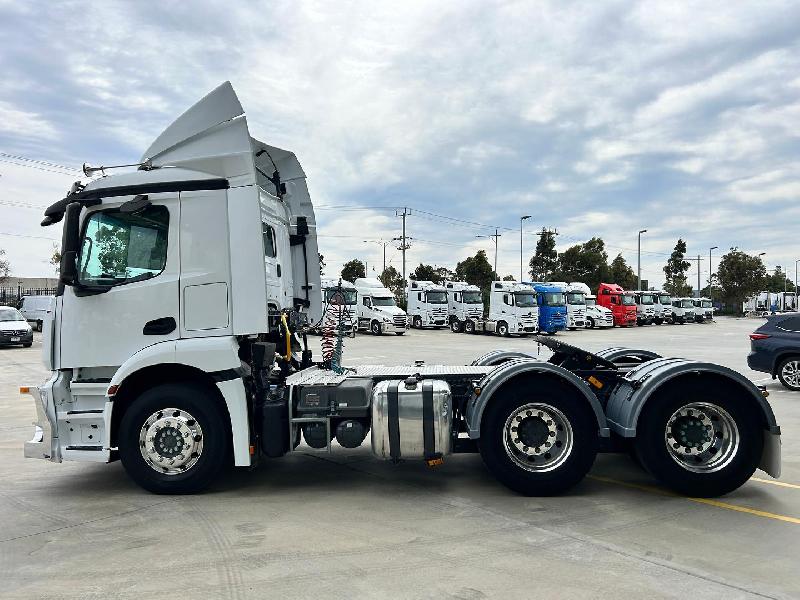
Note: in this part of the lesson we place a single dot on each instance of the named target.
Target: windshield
(10, 314)
(687, 304)
(472, 297)
(350, 296)
(706, 303)
(646, 299)
(628, 300)
(436, 297)
(664, 299)
(553, 298)
(591, 302)
(525, 299)
(385, 301)
(576, 298)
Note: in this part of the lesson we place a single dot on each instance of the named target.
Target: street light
(495, 236)
(382, 243)
(639, 261)
(710, 272)
(521, 259)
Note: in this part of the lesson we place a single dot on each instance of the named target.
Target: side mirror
(70, 239)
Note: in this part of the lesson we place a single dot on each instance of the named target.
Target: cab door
(128, 275)
(277, 252)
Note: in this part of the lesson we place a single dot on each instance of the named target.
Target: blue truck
(552, 307)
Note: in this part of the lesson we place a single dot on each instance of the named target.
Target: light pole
(495, 237)
(521, 258)
(639, 261)
(381, 243)
(710, 272)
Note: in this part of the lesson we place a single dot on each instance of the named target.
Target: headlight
(386, 320)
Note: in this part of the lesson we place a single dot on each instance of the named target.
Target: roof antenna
(89, 170)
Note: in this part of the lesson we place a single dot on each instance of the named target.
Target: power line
(39, 162)
(34, 237)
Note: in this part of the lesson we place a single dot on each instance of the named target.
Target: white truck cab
(575, 296)
(645, 307)
(427, 304)
(377, 311)
(339, 300)
(662, 304)
(683, 310)
(596, 315)
(512, 309)
(464, 307)
(703, 310)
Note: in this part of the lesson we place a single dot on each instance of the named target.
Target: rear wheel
(469, 327)
(39, 325)
(539, 441)
(418, 322)
(789, 373)
(700, 439)
(375, 328)
(502, 328)
(172, 439)
(455, 326)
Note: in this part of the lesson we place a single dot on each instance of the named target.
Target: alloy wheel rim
(791, 373)
(701, 437)
(171, 441)
(538, 437)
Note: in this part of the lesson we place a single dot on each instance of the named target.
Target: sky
(595, 118)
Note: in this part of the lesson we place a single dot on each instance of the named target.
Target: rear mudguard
(627, 401)
(615, 353)
(496, 357)
(515, 367)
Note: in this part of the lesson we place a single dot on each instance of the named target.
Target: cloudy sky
(596, 118)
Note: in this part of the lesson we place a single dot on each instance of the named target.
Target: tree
(622, 274)
(425, 273)
(587, 262)
(675, 271)
(444, 274)
(509, 278)
(740, 276)
(392, 279)
(545, 261)
(321, 264)
(55, 258)
(476, 270)
(353, 269)
(777, 281)
(5, 266)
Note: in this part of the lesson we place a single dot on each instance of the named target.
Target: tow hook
(764, 391)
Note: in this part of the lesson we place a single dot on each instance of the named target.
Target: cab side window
(270, 245)
(367, 302)
(506, 299)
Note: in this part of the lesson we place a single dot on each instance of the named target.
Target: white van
(376, 309)
(35, 309)
(427, 304)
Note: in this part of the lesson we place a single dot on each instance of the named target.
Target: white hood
(14, 326)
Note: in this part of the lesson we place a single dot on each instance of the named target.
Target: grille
(14, 332)
(399, 321)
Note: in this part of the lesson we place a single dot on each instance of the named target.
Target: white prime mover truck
(596, 315)
(645, 307)
(377, 310)
(464, 307)
(176, 345)
(426, 304)
(512, 309)
(575, 298)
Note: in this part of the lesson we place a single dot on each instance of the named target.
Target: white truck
(464, 307)
(512, 309)
(662, 303)
(575, 295)
(596, 315)
(703, 310)
(377, 310)
(645, 308)
(427, 304)
(682, 310)
(176, 346)
(339, 302)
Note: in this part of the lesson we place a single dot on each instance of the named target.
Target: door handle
(162, 326)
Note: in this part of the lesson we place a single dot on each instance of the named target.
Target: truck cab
(377, 310)
(683, 310)
(552, 307)
(622, 304)
(645, 307)
(427, 304)
(575, 297)
(340, 299)
(703, 310)
(464, 307)
(596, 315)
(662, 308)
(513, 309)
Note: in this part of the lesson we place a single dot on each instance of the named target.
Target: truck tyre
(39, 325)
(699, 439)
(551, 415)
(789, 373)
(502, 329)
(589, 323)
(417, 322)
(469, 327)
(173, 438)
(455, 326)
(375, 328)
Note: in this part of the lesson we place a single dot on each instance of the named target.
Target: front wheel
(375, 328)
(699, 439)
(469, 327)
(590, 323)
(789, 373)
(173, 438)
(417, 322)
(502, 329)
(455, 326)
(539, 441)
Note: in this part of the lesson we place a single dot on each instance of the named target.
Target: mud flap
(771, 455)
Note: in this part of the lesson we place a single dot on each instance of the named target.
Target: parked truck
(377, 310)
(427, 304)
(596, 316)
(464, 307)
(663, 306)
(703, 310)
(575, 299)
(512, 309)
(552, 307)
(339, 301)
(209, 364)
(645, 307)
(683, 310)
(622, 304)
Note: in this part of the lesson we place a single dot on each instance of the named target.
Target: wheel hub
(171, 441)
(701, 437)
(538, 437)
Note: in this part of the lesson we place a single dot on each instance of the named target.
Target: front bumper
(760, 361)
(25, 338)
(393, 328)
(41, 446)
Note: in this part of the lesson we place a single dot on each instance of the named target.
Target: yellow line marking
(775, 482)
(708, 501)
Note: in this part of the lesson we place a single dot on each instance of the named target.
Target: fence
(10, 296)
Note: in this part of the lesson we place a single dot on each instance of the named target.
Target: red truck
(621, 303)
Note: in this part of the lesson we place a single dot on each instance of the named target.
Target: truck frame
(177, 345)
